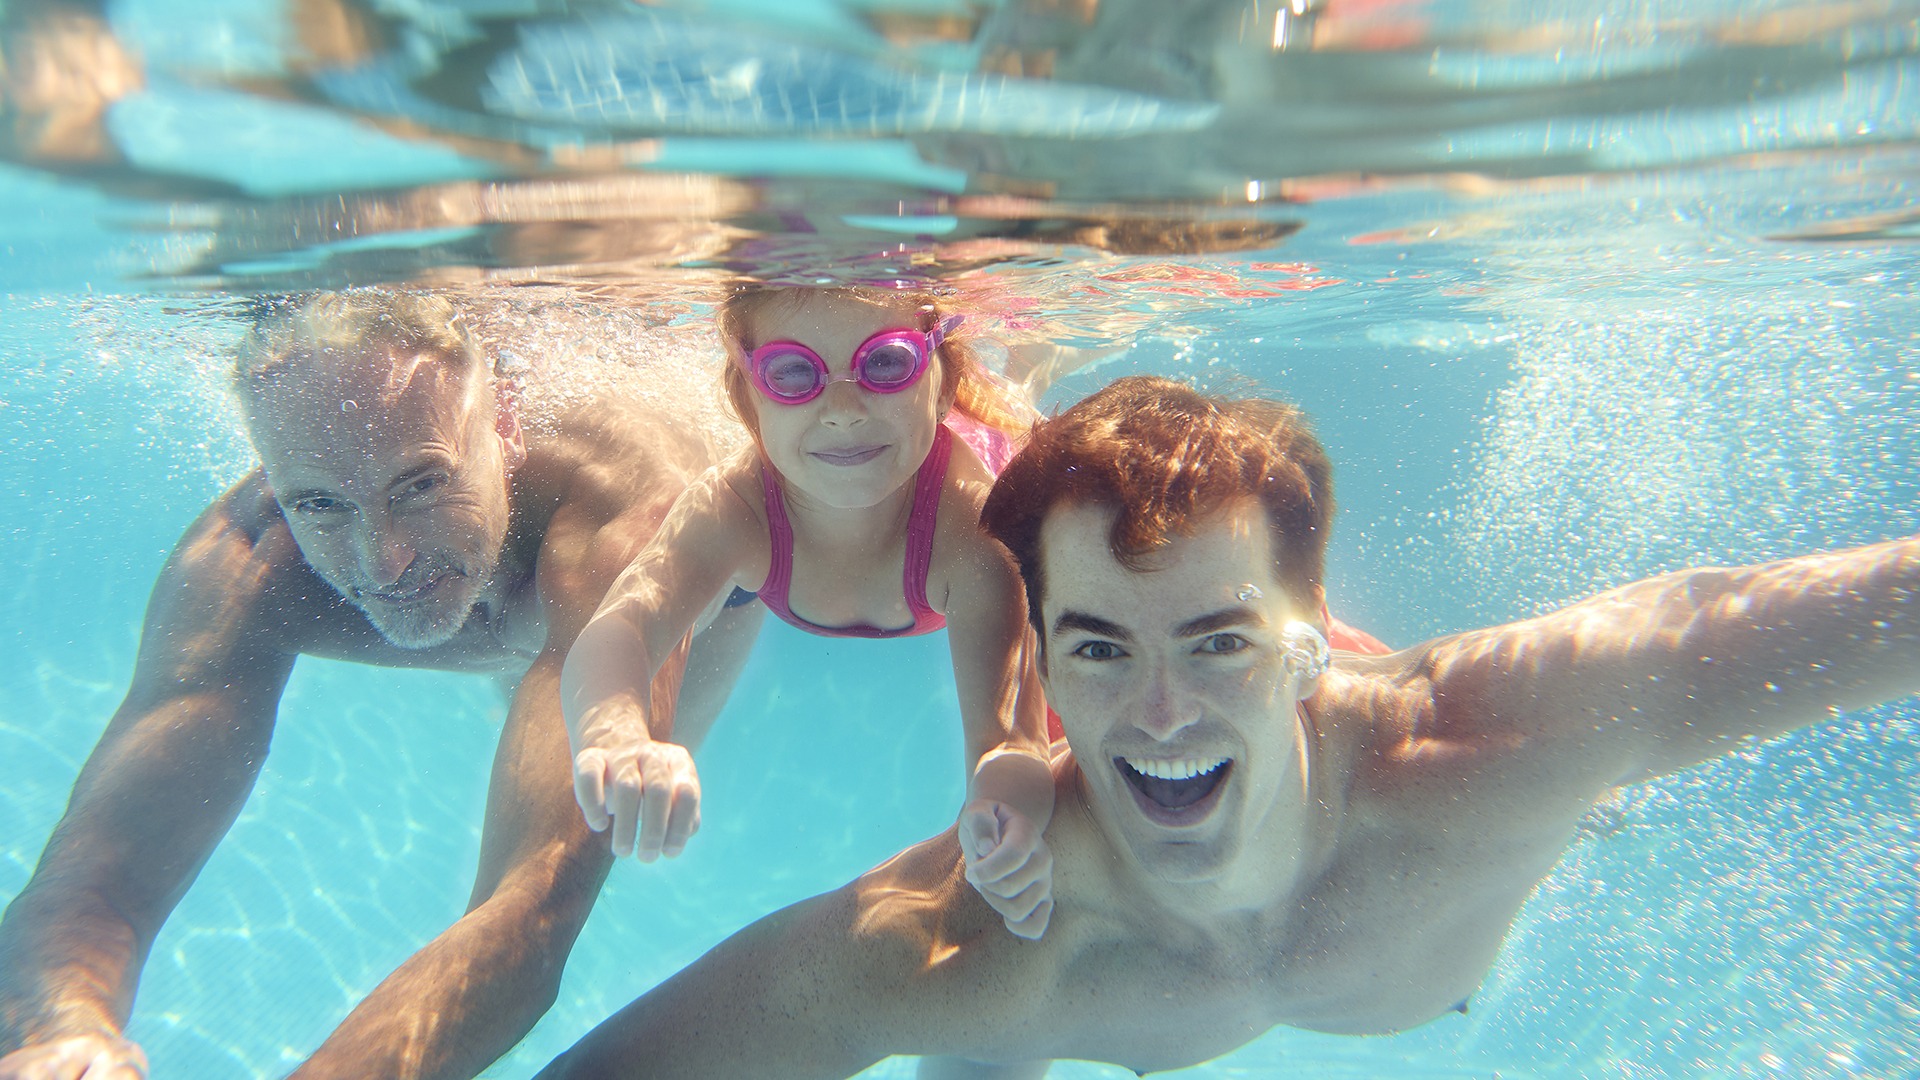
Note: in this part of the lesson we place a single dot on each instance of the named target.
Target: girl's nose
(843, 404)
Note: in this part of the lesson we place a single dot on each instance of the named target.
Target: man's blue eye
(1099, 650)
(1222, 643)
(317, 504)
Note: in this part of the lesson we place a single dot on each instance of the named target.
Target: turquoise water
(1530, 390)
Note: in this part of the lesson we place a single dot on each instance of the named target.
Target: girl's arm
(627, 775)
(1010, 793)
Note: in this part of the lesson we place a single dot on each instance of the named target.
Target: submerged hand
(647, 791)
(1008, 864)
(80, 1057)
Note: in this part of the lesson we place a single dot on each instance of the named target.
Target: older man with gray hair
(401, 517)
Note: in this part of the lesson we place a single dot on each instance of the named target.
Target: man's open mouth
(1175, 790)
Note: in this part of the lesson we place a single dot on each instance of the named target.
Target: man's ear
(1306, 654)
(513, 441)
(1308, 688)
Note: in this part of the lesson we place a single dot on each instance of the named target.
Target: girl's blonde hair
(976, 392)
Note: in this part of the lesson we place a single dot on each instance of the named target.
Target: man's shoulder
(921, 943)
(583, 489)
(1423, 739)
(592, 512)
(247, 509)
(619, 444)
(237, 581)
(1369, 705)
(1437, 689)
(604, 466)
(239, 544)
(921, 894)
(927, 871)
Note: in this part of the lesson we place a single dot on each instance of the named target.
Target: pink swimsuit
(913, 577)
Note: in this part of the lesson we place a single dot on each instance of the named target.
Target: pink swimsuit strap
(992, 446)
(921, 520)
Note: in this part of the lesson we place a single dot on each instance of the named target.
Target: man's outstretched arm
(1682, 668)
(478, 988)
(905, 960)
(792, 997)
(161, 788)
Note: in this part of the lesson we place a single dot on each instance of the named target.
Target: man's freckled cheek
(1256, 687)
(1104, 697)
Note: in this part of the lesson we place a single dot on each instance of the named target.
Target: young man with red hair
(1251, 831)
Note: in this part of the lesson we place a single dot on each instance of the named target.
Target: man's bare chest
(1383, 943)
(1150, 1007)
(1405, 925)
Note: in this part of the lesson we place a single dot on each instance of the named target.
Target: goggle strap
(938, 334)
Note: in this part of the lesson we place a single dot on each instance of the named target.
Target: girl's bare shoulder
(962, 496)
(732, 513)
(733, 487)
(964, 491)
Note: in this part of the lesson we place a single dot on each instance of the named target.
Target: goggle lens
(791, 376)
(891, 365)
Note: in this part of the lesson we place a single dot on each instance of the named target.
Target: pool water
(1531, 390)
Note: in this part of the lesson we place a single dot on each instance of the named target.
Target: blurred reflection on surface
(605, 143)
(660, 229)
(61, 71)
(1311, 88)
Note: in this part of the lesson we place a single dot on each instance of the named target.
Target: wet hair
(1166, 457)
(289, 330)
(974, 392)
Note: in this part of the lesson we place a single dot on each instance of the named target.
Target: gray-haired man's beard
(425, 608)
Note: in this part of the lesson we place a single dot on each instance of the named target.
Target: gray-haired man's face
(393, 480)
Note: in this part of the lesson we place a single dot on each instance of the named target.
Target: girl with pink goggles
(789, 559)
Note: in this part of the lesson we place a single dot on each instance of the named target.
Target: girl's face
(849, 448)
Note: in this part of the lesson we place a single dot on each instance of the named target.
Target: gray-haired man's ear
(513, 441)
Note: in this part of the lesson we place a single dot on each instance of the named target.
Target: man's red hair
(1167, 457)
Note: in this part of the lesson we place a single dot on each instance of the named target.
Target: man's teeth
(1174, 768)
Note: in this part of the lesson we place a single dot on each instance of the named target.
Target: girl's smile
(850, 455)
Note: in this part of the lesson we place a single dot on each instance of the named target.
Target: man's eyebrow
(295, 486)
(1090, 624)
(1214, 622)
(434, 464)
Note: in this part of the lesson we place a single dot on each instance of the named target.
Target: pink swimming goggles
(886, 363)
